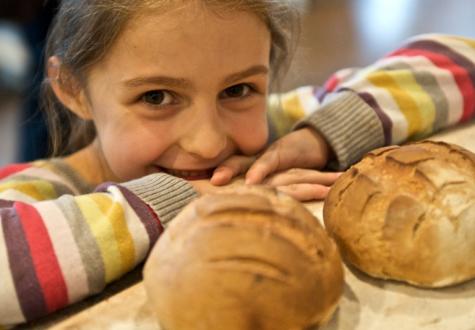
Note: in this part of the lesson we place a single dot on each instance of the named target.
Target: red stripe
(45, 262)
(460, 74)
(332, 83)
(12, 169)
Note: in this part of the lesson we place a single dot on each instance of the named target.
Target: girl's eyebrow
(159, 80)
(253, 70)
(186, 84)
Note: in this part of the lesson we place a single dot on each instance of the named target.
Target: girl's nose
(206, 138)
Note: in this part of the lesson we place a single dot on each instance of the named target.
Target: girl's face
(180, 92)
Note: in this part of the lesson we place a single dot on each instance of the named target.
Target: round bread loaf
(408, 213)
(247, 259)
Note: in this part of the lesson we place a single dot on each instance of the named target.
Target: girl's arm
(57, 248)
(424, 86)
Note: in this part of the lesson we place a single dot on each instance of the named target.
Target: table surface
(367, 303)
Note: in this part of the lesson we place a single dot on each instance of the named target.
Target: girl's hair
(84, 30)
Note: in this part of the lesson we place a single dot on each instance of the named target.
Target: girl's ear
(67, 89)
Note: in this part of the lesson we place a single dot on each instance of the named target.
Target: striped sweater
(62, 240)
(426, 85)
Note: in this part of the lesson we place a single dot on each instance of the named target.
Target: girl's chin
(189, 175)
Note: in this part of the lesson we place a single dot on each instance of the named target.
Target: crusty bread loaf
(247, 259)
(408, 213)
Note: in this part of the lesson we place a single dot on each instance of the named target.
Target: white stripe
(387, 104)
(10, 311)
(135, 226)
(65, 249)
(307, 99)
(15, 195)
(462, 48)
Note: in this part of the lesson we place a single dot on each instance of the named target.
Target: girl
(160, 95)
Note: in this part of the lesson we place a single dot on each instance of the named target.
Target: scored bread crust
(246, 259)
(408, 213)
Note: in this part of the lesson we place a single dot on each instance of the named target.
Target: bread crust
(408, 213)
(247, 259)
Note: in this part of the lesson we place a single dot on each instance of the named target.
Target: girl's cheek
(254, 139)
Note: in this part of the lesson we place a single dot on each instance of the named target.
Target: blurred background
(335, 34)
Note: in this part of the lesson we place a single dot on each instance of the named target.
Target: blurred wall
(348, 33)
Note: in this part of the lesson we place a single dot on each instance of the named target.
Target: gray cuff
(165, 194)
(350, 126)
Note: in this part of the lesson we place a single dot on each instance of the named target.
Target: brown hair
(84, 30)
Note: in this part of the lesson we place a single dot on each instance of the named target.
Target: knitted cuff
(350, 126)
(165, 194)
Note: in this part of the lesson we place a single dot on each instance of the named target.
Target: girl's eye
(158, 97)
(236, 91)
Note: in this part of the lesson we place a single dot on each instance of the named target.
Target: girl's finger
(298, 175)
(263, 166)
(230, 168)
(305, 192)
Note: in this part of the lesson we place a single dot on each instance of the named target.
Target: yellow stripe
(46, 189)
(407, 105)
(425, 104)
(27, 188)
(277, 116)
(103, 232)
(292, 106)
(469, 42)
(125, 243)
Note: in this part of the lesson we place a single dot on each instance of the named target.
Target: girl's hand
(303, 184)
(203, 187)
(304, 148)
(231, 168)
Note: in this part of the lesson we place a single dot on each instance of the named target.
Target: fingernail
(215, 179)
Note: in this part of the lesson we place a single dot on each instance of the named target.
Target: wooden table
(367, 303)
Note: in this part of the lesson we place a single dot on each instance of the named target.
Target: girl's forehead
(196, 47)
(183, 39)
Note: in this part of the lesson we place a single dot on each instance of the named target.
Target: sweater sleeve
(57, 248)
(425, 86)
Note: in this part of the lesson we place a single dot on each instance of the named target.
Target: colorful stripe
(103, 234)
(44, 259)
(137, 230)
(462, 70)
(22, 267)
(12, 169)
(10, 313)
(29, 189)
(66, 250)
(434, 94)
(149, 219)
(114, 213)
(86, 242)
(332, 83)
(404, 101)
(383, 117)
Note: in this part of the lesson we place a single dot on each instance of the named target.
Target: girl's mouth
(189, 174)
